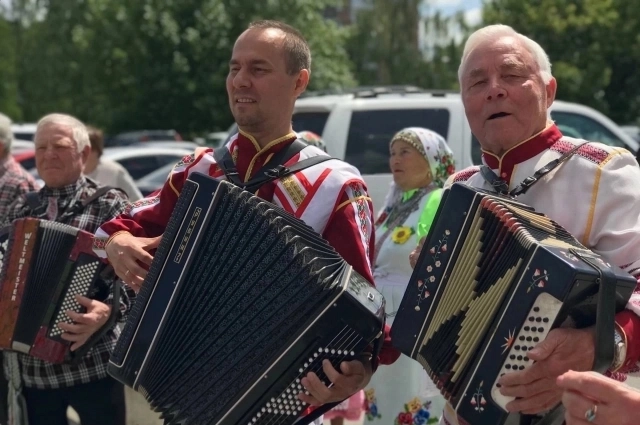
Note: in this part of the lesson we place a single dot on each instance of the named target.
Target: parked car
(633, 131)
(26, 158)
(141, 161)
(24, 131)
(167, 144)
(155, 180)
(357, 127)
(131, 137)
(22, 145)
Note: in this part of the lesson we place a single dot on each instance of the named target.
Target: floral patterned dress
(402, 393)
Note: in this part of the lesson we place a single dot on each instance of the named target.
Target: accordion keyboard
(81, 283)
(287, 403)
(542, 315)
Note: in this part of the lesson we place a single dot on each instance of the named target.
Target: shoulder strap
(97, 194)
(33, 200)
(81, 205)
(272, 170)
(502, 187)
(281, 171)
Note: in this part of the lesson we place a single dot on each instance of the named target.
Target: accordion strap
(501, 187)
(33, 200)
(272, 170)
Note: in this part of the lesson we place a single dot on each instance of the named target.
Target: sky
(472, 8)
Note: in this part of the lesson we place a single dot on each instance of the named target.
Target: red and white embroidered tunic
(594, 195)
(331, 197)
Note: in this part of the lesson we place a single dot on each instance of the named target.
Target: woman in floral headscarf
(421, 161)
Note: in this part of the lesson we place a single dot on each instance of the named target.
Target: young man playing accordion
(507, 89)
(268, 70)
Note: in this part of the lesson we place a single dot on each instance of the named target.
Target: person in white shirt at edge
(507, 88)
(108, 172)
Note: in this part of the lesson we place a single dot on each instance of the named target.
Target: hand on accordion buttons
(605, 401)
(129, 255)
(354, 377)
(415, 254)
(85, 324)
(535, 387)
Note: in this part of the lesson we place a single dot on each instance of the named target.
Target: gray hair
(6, 135)
(495, 32)
(78, 129)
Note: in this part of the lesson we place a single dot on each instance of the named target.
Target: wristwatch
(620, 352)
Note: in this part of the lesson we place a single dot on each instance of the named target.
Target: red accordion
(44, 265)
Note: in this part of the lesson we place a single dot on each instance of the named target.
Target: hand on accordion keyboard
(535, 387)
(354, 377)
(85, 324)
(129, 255)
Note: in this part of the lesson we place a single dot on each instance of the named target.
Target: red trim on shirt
(522, 152)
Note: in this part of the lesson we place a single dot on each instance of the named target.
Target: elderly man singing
(507, 89)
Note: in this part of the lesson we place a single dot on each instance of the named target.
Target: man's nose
(496, 90)
(241, 79)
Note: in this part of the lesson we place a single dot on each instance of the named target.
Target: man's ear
(85, 154)
(551, 88)
(302, 81)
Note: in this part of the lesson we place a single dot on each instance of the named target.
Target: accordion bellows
(44, 265)
(493, 278)
(241, 301)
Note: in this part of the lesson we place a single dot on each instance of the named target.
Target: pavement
(138, 412)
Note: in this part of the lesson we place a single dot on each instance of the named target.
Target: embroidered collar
(248, 148)
(522, 152)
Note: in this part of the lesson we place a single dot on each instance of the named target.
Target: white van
(358, 126)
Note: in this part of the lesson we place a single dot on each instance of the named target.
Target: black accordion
(242, 300)
(44, 265)
(493, 278)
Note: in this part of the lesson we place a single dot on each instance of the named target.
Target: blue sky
(472, 8)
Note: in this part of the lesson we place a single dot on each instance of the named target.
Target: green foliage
(594, 47)
(8, 79)
(384, 46)
(156, 63)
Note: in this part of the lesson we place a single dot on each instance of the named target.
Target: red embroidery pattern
(141, 203)
(99, 243)
(186, 160)
(362, 206)
(593, 153)
(465, 174)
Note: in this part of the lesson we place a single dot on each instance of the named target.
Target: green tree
(159, 63)
(385, 47)
(8, 67)
(594, 47)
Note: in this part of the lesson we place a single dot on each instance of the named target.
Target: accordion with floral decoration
(493, 278)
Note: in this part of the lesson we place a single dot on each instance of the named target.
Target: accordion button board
(493, 279)
(241, 302)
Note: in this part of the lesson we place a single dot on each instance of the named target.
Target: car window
(370, 133)
(23, 135)
(310, 121)
(140, 166)
(583, 127)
